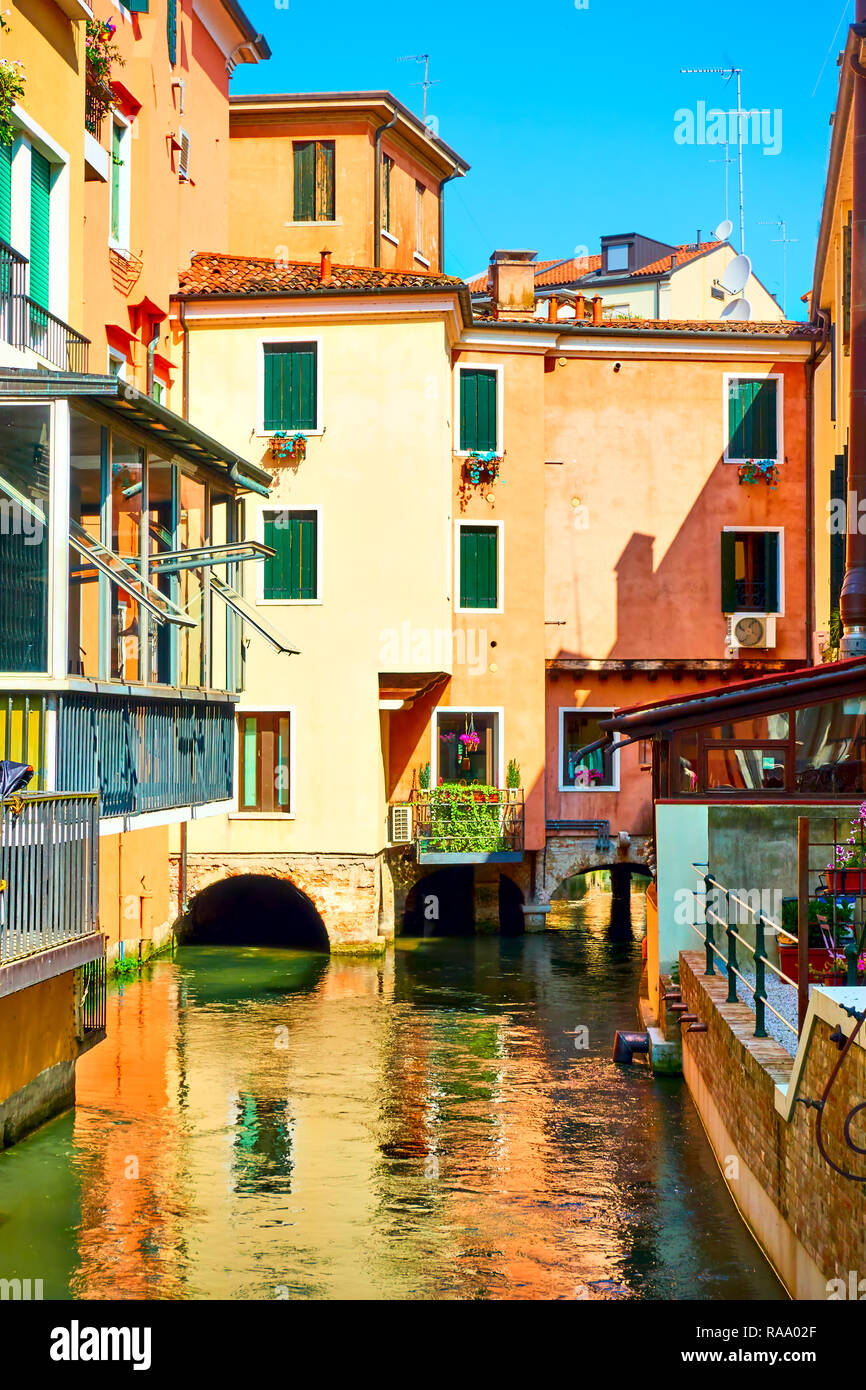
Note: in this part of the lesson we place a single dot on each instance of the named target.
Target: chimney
(579, 308)
(852, 604)
(325, 268)
(552, 309)
(674, 261)
(596, 310)
(512, 284)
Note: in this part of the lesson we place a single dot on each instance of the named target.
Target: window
(593, 771)
(617, 257)
(750, 571)
(460, 758)
(419, 217)
(314, 181)
(478, 410)
(265, 762)
(116, 364)
(127, 477)
(847, 233)
(292, 575)
(479, 566)
(290, 386)
(387, 172)
(24, 488)
(40, 236)
(831, 747)
(120, 184)
(752, 419)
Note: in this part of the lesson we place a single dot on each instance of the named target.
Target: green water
(266, 1124)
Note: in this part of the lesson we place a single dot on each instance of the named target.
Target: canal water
(447, 1123)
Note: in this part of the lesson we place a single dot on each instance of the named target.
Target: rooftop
(214, 273)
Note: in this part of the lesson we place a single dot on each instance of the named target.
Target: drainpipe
(151, 349)
(377, 191)
(852, 606)
(185, 358)
(458, 174)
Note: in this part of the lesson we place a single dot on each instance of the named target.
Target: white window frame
(560, 748)
(32, 136)
(472, 524)
(113, 356)
(261, 601)
(289, 339)
(260, 707)
(779, 378)
(780, 577)
(122, 243)
(499, 369)
(448, 710)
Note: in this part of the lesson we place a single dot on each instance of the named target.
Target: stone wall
(808, 1219)
(567, 855)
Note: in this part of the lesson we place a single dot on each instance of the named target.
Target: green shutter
(847, 233)
(40, 185)
(478, 410)
(752, 420)
(771, 571)
(838, 539)
(290, 386)
(304, 208)
(135, 6)
(116, 139)
(479, 567)
(729, 571)
(6, 192)
(325, 181)
(292, 573)
(171, 30)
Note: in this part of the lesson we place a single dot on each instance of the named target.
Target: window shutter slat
(325, 181)
(6, 192)
(736, 407)
(305, 181)
(40, 183)
(771, 571)
(729, 572)
(479, 567)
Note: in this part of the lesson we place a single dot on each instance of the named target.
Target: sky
(570, 113)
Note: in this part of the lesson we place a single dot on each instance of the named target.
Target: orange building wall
(37, 1026)
(133, 883)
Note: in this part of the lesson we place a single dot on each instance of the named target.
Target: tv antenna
(428, 81)
(784, 241)
(727, 74)
(726, 161)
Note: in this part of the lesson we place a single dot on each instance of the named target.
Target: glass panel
(282, 768)
(593, 769)
(760, 727)
(85, 507)
(219, 612)
(684, 764)
(462, 758)
(24, 484)
(250, 745)
(160, 501)
(127, 478)
(745, 769)
(192, 531)
(831, 739)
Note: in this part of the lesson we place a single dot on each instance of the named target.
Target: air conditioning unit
(751, 631)
(401, 825)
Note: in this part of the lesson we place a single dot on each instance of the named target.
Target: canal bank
(266, 1124)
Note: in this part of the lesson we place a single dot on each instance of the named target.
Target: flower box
(846, 880)
(820, 959)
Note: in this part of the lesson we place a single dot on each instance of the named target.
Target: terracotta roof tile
(785, 328)
(212, 273)
(563, 272)
(684, 254)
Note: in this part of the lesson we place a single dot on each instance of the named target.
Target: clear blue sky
(567, 115)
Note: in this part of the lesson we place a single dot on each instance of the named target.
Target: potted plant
(753, 471)
(512, 779)
(846, 873)
(482, 466)
(825, 914)
(288, 448)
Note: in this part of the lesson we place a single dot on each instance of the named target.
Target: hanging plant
(288, 448)
(101, 54)
(754, 471)
(482, 467)
(12, 81)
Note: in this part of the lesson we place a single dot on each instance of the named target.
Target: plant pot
(846, 880)
(819, 959)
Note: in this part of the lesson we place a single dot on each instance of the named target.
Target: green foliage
(821, 914)
(512, 776)
(11, 90)
(464, 820)
(424, 777)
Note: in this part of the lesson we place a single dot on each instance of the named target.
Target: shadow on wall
(255, 910)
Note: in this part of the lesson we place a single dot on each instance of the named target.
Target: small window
(314, 181)
(750, 571)
(479, 566)
(419, 217)
(291, 576)
(387, 175)
(592, 771)
(116, 365)
(478, 410)
(265, 762)
(119, 200)
(617, 257)
(291, 388)
(752, 423)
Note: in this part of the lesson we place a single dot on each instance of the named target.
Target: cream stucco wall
(380, 473)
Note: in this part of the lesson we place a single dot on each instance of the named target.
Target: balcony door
(466, 747)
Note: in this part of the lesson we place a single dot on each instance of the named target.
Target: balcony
(455, 824)
(49, 872)
(24, 324)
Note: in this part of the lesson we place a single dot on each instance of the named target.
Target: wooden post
(802, 920)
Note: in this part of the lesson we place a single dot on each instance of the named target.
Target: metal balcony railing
(145, 754)
(751, 595)
(49, 871)
(26, 324)
(467, 822)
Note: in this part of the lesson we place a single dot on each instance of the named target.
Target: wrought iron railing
(464, 820)
(26, 324)
(98, 97)
(751, 594)
(145, 754)
(49, 871)
(94, 992)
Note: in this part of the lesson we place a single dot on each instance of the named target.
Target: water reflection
(265, 1123)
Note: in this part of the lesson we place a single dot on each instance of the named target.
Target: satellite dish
(739, 310)
(724, 229)
(736, 277)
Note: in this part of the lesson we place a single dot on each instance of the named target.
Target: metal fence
(26, 324)
(94, 992)
(461, 820)
(145, 754)
(49, 871)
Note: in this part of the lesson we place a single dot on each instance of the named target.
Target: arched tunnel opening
(444, 903)
(619, 877)
(255, 910)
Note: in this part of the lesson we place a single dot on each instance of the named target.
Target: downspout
(377, 191)
(852, 604)
(151, 349)
(185, 357)
(811, 368)
(458, 174)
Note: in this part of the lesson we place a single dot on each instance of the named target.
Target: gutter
(458, 174)
(377, 189)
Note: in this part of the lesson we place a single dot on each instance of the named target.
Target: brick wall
(809, 1219)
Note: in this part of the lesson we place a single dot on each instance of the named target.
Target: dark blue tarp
(14, 777)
